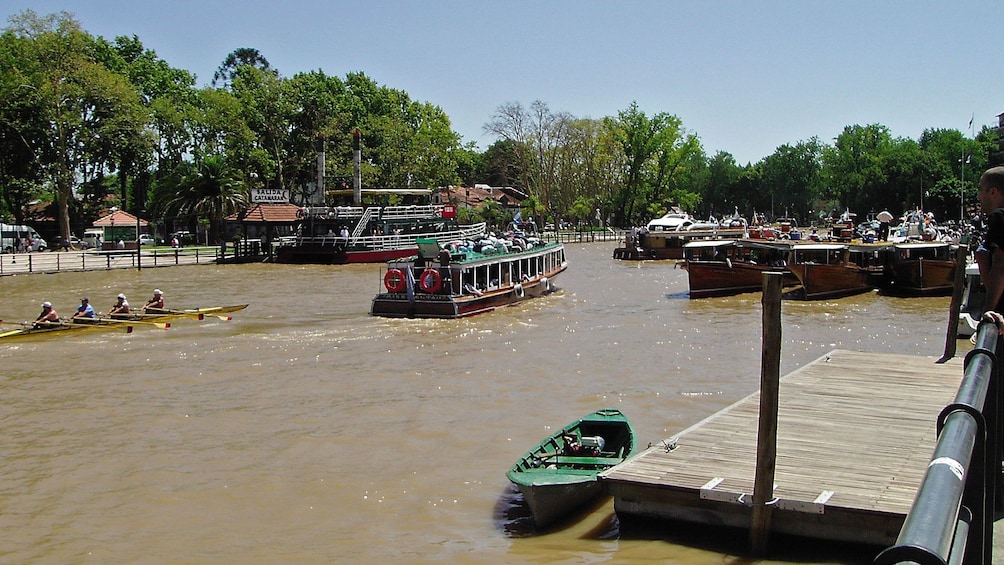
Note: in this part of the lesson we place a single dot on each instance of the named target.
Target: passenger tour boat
(470, 277)
(373, 234)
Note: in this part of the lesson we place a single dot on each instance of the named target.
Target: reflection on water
(306, 430)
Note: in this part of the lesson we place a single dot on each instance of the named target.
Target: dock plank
(861, 425)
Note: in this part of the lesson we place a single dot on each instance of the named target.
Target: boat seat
(576, 460)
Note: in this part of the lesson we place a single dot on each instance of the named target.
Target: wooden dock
(855, 435)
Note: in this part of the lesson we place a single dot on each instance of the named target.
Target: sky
(745, 76)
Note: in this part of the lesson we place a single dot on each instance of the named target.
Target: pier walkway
(855, 434)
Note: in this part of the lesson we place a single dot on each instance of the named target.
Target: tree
(240, 57)
(209, 189)
(791, 178)
(86, 114)
(536, 134)
(655, 151)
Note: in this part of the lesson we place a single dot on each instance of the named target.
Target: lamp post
(962, 189)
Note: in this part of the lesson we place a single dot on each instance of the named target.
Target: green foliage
(83, 118)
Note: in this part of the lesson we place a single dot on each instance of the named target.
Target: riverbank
(61, 261)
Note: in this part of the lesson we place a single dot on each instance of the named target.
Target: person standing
(990, 254)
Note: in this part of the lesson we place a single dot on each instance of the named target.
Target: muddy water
(306, 431)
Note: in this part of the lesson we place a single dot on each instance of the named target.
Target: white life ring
(545, 284)
(518, 289)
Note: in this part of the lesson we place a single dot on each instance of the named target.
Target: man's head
(991, 192)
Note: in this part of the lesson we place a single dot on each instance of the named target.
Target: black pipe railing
(951, 520)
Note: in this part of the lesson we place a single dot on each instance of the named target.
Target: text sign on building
(269, 195)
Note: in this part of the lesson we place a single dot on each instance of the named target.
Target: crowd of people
(85, 313)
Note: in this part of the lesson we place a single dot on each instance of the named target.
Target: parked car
(183, 237)
(147, 239)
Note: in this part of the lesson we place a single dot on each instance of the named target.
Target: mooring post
(766, 449)
(961, 255)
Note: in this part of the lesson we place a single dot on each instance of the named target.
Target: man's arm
(994, 281)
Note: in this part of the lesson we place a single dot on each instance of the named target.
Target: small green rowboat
(559, 474)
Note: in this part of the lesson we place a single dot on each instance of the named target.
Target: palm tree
(210, 189)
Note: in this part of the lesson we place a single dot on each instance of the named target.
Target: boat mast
(318, 197)
(357, 176)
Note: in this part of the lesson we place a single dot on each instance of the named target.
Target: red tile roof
(273, 213)
(119, 217)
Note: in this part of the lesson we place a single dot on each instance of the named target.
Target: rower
(157, 302)
(85, 312)
(47, 318)
(121, 306)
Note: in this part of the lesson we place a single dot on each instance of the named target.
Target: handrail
(361, 225)
(951, 520)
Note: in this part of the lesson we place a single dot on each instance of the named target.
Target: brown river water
(306, 431)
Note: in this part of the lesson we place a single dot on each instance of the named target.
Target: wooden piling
(961, 255)
(766, 450)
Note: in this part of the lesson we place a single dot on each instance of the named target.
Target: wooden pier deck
(855, 435)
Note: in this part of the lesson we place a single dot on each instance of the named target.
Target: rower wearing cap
(85, 312)
(121, 307)
(155, 303)
(48, 317)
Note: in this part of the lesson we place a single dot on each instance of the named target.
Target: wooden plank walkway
(855, 435)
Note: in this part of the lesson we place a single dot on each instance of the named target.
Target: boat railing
(951, 520)
(363, 222)
(393, 241)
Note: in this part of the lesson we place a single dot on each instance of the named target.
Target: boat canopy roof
(818, 246)
(782, 245)
(710, 243)
(922, 244)
(376, 191)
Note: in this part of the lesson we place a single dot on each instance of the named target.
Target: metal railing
(59, 261)
(584, 236)
(951, 520)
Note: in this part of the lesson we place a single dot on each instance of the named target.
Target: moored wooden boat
(727, 267)
(559, 474)
(659, 245)
(832, 270)
(923, 268)
(438, 283)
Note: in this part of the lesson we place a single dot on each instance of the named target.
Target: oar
(161, 325)
(195, 315)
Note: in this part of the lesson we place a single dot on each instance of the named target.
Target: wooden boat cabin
(463, 279)
(727, 267)
(656, 245)
(924, 268)
(830, 270)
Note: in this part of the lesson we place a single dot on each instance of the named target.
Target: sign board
(269, 196)
(449, 211)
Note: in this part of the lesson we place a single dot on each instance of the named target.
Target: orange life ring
(394, 280)
(430, 281)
